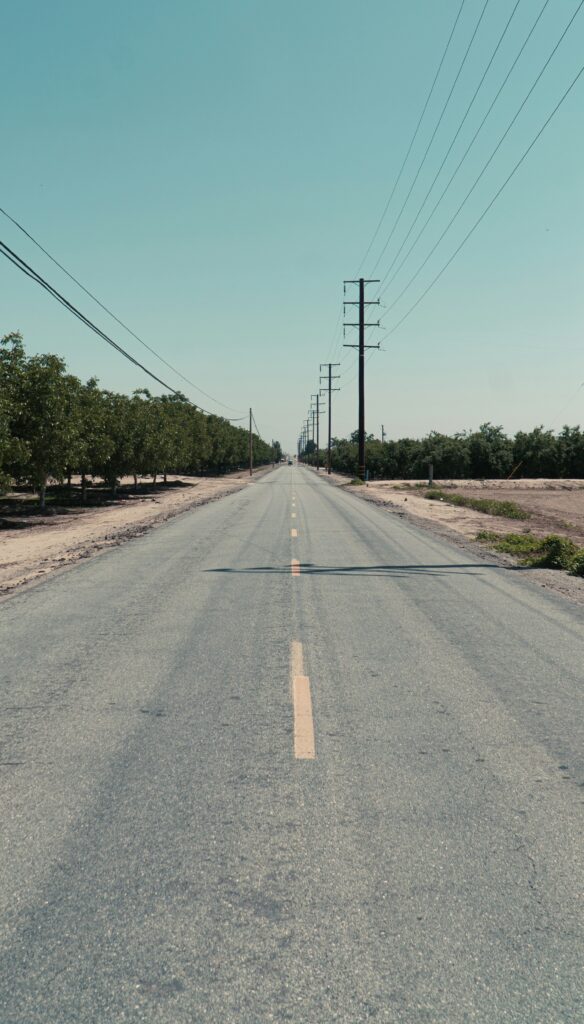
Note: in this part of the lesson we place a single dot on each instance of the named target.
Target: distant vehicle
(290, 463)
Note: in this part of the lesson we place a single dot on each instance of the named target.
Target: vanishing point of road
(289, 758)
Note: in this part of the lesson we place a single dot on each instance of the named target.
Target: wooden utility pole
(250, 446)
(361, 303)
(330, 379)
(382, 434)
(316, 413)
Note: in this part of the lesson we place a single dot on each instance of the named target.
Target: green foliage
(52, 425)
(578, 564)
(486, 453)
(550, 552)
(556, 553)
(491, 506)
(511, 543)
(537, 454)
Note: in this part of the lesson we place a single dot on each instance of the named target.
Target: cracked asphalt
(166, 857)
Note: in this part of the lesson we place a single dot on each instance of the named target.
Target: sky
(212, 171)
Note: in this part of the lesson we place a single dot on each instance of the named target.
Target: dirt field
(555, 506)
(33, 544)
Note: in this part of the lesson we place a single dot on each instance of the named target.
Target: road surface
(288, 758)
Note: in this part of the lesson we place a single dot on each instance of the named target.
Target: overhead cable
(30, 272)
(489, 161)
(113, 315)
(451, 146)
(412, 140)
(463, 157)
(433, 136)
(488, 207)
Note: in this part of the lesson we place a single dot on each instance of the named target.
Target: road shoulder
(553, 580)
(28, 555)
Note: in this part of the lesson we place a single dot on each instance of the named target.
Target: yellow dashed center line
(293, 515)
(295, 566)
(296, 659)
(293, 533)
(304, 747)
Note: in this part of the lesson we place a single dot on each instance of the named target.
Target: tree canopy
(53, 425)
(486, 453)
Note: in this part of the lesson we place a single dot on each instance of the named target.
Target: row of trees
(52, 426)
(487, 453)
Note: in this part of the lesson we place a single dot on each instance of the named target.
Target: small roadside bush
(578, 564)
(551, 552)
(512, 543)
(492, 507)
(557, 553)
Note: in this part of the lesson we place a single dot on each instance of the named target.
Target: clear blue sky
(213, 170)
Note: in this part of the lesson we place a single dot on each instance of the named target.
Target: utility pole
(317, 413)
(330, 390)
(361, 303)
(250, 446)
(382, 434)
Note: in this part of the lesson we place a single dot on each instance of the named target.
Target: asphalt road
(173, 852)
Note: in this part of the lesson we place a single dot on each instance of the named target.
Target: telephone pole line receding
(250, 445)
(316, 414)
(361, 303)
(330, 377)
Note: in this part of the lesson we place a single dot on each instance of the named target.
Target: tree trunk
(42, 495)
(154, 475)
(165, 476)
(68, 478)
(135, 482)
(83, 488)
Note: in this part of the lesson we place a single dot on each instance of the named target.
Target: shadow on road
(309, 568)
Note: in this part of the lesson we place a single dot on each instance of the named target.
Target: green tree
(537, 453)
(94, 444)
(42, 423)
(571, 452)
(491, 453)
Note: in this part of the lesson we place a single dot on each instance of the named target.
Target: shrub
(512, 543)
(578, 564)
(490, 506)
(551, 552)
(557, 553)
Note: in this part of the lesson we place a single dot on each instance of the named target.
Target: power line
(412, 140)
(336, 342)
(487, 164)
(113, 315)
(30, 272)
(337, 331)
(433, 136)
(257, 429)
(456, 134)
(487, 208)
(566, 404)
(463, 157)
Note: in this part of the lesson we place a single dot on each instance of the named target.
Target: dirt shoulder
(554, 506)
(33, 545)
